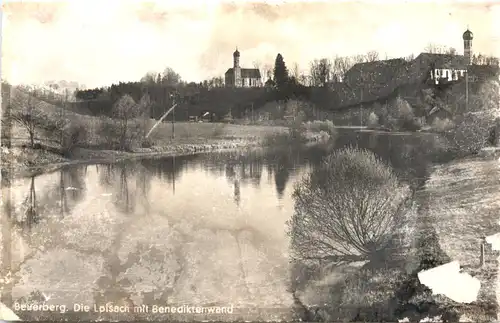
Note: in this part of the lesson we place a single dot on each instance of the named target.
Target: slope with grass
(464, 206)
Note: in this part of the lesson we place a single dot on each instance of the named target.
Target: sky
(100, 42)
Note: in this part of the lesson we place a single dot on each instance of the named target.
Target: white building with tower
(242, 77)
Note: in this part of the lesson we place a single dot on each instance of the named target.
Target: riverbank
(26, 162)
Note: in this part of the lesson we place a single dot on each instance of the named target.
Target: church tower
(237, 68)
(468, 36)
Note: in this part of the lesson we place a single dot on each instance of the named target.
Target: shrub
(373, 120)
(470, 134)
(116, 136)
(147, 143)
(109, 133)
(74, 134)
(399, 115)
(349, 208)
(410, 125)
(441, 125)
(294, 136)
(326, 126)
(494, 133)
(367, 295)
(318, 126)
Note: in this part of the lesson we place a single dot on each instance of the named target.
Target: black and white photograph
(250, 161)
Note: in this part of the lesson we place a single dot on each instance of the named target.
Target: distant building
(242, 77)
(366, 82)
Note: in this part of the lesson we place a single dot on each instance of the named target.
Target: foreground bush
(348, 209)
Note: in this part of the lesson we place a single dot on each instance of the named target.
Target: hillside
(193, 101)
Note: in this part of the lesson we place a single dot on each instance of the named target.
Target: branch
(337, 258)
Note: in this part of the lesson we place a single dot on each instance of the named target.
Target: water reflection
(199, 228)
(28, 215)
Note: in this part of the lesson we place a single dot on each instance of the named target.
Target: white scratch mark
(449, 281)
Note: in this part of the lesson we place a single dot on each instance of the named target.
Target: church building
(242, 77)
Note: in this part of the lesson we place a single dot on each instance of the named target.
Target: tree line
(319, 73)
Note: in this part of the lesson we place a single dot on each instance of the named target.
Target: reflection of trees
(30, 213)
(143, 183)
(168, 168)
(71, 188)
(256, 172)
(106, 175)
(280, 168)
(125, 201)
(63, 197)
(74, 180)
(132, 185)
(237, 194)
(281, 176)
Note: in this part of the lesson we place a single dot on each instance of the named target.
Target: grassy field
(464, 205)
(185, 132)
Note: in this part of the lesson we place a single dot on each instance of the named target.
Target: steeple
(467, 37)
(236, 58)
(236, 68)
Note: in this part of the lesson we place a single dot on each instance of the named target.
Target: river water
(198, 230)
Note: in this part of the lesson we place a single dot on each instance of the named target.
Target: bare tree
(348, 209)
(144, 107)
(356, 59)
(409, 58)
(258, 65)
(303, 79)
(438, 49)
(26, 111)
(321, 72)
(340, 66)
(295, 71)
(149, 78)
(218, 81)
(268, 69)
(170, 77)
(481, 59)
(372, 56)
(125, 110)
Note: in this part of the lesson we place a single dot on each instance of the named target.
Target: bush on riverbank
(380, 290)
(352, 203)
(392, 292)
(470, 134)
(397, 115)
(302, 133)
(318, 126)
